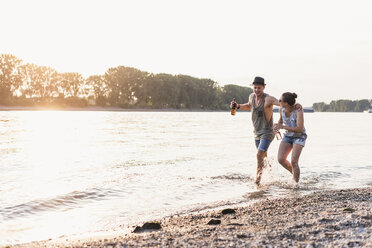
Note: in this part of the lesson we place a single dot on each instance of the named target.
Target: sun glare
(53, 141)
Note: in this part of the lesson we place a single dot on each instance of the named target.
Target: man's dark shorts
(263, 144)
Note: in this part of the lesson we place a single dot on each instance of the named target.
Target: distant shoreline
(95, 108)
(118, 109)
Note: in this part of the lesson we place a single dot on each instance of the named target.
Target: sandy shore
(341, 218)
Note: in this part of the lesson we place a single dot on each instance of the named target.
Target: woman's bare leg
(284, 150)
(296, 152)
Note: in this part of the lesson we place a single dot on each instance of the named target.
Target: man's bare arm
(275, 101)
(245, 106)
(298, 107)
(280, 121)
(279, 125)
(248, 105)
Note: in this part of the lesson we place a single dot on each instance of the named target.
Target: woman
(291, 120)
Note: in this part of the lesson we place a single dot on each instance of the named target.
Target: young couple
(291, 120)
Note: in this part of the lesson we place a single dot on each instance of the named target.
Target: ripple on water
(139, 163)
(67, 201)
(234, 176)
(331, 175)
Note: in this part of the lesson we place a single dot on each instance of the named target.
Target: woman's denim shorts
(295, 140)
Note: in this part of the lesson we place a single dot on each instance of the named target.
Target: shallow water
(71, 172)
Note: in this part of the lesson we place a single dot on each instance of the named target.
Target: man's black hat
(259, 81)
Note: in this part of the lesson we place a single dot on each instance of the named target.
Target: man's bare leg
(260, 164)
(266, 161)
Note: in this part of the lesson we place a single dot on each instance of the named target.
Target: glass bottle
(233, 107)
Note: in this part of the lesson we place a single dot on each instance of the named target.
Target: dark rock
(235, 224)
(214, 222)
(151, 226)
(137, 229)
(228, 211)
(147, 226)
(349, 210)
(241, 236)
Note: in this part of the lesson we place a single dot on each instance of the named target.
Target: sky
(320, 49)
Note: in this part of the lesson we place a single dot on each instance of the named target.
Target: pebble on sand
(214, 222)
(148, 226)
(228, 211)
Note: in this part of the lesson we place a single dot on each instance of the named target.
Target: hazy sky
(320, 49)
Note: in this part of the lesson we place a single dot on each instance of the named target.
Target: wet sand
(340, 218)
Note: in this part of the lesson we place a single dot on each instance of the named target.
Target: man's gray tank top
(262, 127)
(291, 121)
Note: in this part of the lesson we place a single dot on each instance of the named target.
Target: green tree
(320, 106)
(145, 91)
(72, 84)
(343, 106)
(38, 82)
(163, 90)
(240, 93)
(98, 85)
(207, 95)
(9, 77)
(123, 83)
(197, 93)
(362, 105)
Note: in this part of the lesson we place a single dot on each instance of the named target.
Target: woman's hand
(277, 127)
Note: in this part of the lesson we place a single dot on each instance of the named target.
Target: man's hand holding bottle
(233, 106)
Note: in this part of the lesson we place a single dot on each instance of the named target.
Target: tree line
(343, 106)
(32, 85)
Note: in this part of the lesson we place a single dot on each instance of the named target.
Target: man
(261, 105)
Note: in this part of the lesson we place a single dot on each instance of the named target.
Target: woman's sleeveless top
(291, 121)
